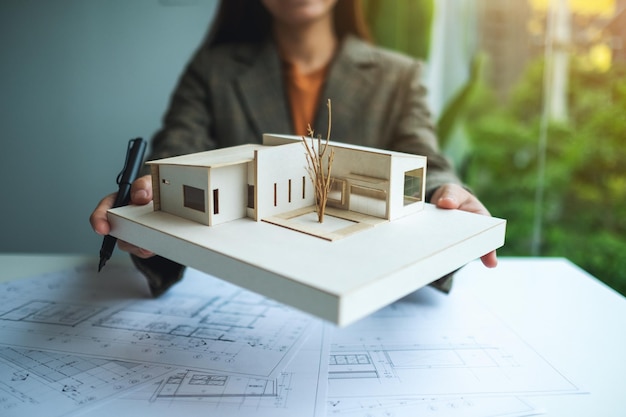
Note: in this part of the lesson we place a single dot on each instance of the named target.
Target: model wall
(173, 179)
(282, 182)
(229, 184)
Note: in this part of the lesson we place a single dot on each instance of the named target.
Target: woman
(269, 66)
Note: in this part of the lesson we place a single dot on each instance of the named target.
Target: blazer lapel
(353, 72)
(261, 90)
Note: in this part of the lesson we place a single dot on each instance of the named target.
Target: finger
(473, 205)
(135, 250)
(490, 260)
(449, 196)
(141, 190)
(453, 196)
(98, 219)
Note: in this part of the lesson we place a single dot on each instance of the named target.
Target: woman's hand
(453, 196)
(140, 194)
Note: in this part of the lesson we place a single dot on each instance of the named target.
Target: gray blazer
(232, 94)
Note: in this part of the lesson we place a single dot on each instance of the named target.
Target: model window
(413, 186)
(216, 201)
(337, 194)
(250, 196)
(193, 198)
(289, 192)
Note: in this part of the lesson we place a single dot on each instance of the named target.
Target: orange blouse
(303, 91)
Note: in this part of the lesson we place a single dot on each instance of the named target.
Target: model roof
(213, 158)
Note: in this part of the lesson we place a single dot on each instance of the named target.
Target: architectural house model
(246, 214)
(270, 182)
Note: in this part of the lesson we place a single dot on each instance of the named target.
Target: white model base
(340, 281)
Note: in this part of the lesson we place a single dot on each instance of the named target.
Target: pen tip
(101, 264)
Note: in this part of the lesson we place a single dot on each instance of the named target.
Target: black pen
(134, 159)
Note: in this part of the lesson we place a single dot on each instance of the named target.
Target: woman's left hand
(453, 196)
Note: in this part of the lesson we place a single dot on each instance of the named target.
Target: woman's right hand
(140, 194)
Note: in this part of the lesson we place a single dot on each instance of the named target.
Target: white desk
(568, 316)
(571, 318)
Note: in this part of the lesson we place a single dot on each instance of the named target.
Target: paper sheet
(432, 344)
(49, 384)
(436, 355)
(201, 323)
(474, 406)
(299, 390)
(210, 346)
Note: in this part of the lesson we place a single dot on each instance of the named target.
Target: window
(275, 196)
(193, 198)
(250, 196)
(337, 193)
(413, 186)
(216, 201)
(289, 192)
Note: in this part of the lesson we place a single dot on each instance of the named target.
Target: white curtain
(453, 42)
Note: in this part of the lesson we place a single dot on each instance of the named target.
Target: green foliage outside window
(403, 25)
(584, 211)
(584, 215)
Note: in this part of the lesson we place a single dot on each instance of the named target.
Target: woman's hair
(249, 21)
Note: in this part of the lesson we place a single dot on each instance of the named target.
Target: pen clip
(119, 176)
(136, 148)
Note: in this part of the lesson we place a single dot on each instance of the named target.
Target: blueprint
(202, 323)
(88, 344)
(429, 347)
(49, 384)
(299, 390)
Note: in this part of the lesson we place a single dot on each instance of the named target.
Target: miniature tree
(318, 171)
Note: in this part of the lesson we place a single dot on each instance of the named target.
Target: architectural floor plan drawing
(299, 390)
(96, 345)
(416, 348)
(202, 323)
(188, 384)
(49, 384)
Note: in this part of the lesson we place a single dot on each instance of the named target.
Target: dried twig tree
(320, 169)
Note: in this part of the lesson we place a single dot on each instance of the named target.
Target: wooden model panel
(282, 180)
(229, 185)
(340, 281)
(172, 181)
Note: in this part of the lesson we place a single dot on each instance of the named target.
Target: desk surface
(571, 318)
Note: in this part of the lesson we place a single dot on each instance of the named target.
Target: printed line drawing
(389, 362)
(413, 349)
(201, 386)
(50, 312)
(202, 323)
(30, 378)
(299, 390)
